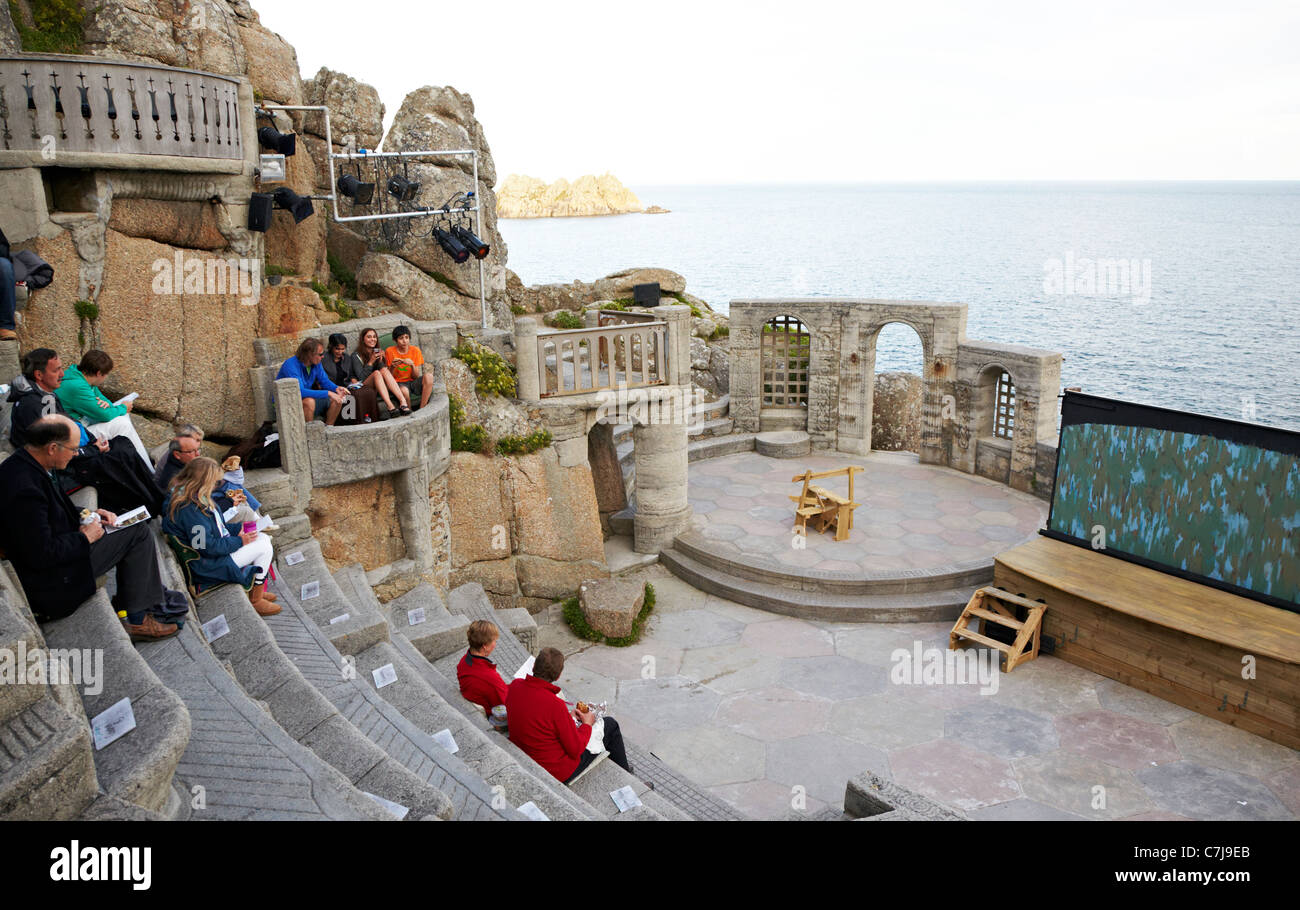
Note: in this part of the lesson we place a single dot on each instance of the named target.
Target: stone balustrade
(69, 111)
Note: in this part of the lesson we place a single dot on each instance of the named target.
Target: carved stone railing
(59, 110)
(578, 361)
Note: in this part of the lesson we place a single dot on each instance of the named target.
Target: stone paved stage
(751, 705)
(914, 519)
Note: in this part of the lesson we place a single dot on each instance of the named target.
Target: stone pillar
(857, 386)
(679, 343)
(591, 319)
(295, 457)
(662, 509)
(415, 516)
(743, 354)
(529, 386)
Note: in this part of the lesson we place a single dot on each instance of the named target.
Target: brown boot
(8, 335)
(149, 629)
(258, 599)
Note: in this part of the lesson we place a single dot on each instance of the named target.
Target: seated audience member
(339, 367)
(56, 555)
(225, 552)
(230, 494)
(82, 400)
(320, 396)
(112, 467)
(542, 726)
(369, 366)
(479, 680)
(183, 449)
(8, 296)
(405, 361)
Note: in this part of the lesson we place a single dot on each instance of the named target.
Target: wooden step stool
(988, 604)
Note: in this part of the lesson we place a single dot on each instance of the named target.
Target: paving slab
(1211, 793)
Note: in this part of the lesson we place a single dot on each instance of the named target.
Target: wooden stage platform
(1177, 639)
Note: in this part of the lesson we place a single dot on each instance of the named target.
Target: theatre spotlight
(276, 141)
(402, 189)
(298, 206)
(453, 247)
(470, 242)
(360, 193)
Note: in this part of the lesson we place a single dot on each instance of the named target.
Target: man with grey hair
(180, 451)
(57, 552)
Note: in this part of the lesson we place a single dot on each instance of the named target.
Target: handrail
(629, 355)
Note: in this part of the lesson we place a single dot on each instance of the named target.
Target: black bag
(254, 452)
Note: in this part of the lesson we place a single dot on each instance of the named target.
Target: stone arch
(785, 349)
(898, 429)
(985, 403)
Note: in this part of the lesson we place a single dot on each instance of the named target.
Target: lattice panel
(1004, 412)
(785, 350)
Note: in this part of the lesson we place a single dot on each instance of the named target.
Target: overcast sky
(671, 92)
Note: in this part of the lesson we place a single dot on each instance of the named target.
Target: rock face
(356, 113)
(544, 298)
(357, 522)
(439, 117)
(610, 605)
(896, 413)
(528, 197)
(526, 528)
(9, 40)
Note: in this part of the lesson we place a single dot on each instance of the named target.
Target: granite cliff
(528, 197)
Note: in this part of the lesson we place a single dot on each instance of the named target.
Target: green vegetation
(721, 331)
(681, 298)
(518, 309)
(443, 280)
(578, 623)
(495, 376)
(565, 319)
(621, 304)
(523, 445)
(85, 309)
(345, 278)
(272, 269)
(331, 298)
(57, 29)
(472, 438)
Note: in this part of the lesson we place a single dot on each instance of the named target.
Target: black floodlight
(360, 193)
(402, 189)
(453, 247)
(278, 142)
(298, 206)
(477, 247)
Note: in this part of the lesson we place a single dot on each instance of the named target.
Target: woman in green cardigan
(80, 396)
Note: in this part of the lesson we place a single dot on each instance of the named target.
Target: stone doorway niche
(784, 353)
(899, 427)
(841, 365)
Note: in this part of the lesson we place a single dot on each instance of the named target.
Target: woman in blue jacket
(225, 554)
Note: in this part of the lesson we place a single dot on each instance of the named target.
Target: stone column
(857, 386)
(415, 516)
(295, 458)
(529, 386)
(678, 318)
(662, 509)
(591, 319)
(743, 354)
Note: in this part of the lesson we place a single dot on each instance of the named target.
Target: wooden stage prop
(989, 605)
(824, 508)
(1228, 657)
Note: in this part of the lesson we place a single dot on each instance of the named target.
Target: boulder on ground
(611, 605)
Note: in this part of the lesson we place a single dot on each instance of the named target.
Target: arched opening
(785, 350)
(995, 419)
(898, 389)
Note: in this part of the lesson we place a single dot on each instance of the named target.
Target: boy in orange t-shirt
(405, 360)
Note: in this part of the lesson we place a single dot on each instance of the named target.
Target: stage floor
(913, 518)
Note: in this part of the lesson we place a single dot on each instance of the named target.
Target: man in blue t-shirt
(320, 396)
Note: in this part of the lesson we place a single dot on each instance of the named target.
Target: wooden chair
(825, 509)
(990, 605)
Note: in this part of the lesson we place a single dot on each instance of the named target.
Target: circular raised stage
(923, 537)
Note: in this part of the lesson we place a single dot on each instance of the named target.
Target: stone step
(293, 528)
(471, 601)
(348, 683)
(927, 606)
(783, 444)
(19, 635)
(138, 767)
(621, 558)
(247, 766)
(274, 489)
(692, 799)
(521, 624)
(720, 426)
(47, 772)
(716, 446)
(718, 408)
(911, 581)
(352, 621)
(268, 675)
(777, 419)
(605, 777)
(473, 726)
(440, 634)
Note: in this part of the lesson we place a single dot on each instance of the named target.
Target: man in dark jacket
(8, 297)
(58, 558)
(112, 467)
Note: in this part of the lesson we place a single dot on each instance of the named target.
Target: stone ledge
(783, 444)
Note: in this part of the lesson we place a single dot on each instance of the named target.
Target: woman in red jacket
(542, 726)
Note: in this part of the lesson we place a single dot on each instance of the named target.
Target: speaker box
(646, 294)
(259, 212)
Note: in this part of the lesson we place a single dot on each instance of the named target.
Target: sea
(1184, 295)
